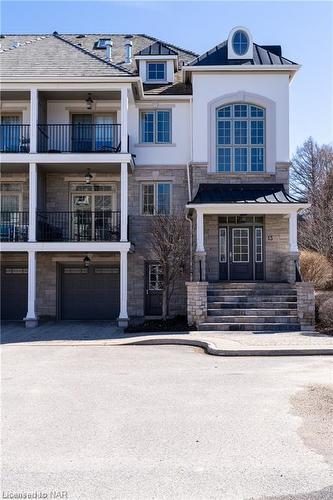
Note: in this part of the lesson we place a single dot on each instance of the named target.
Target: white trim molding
(270, 133)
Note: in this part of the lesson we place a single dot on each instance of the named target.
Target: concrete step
(251, 298)
(254, 292)
(256, 327)
(212, 304)
(226, 285)
(252, 319)
(251, 312)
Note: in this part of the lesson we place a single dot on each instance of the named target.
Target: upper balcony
(64, 121)
(79, 137)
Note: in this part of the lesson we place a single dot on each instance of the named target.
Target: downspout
(190, 190)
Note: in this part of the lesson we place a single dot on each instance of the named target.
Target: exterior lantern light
(86, 261)
(89, 101)
(88, 177)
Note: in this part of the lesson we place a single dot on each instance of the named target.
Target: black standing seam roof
(156, 49)
(242, 193)
(262, 55)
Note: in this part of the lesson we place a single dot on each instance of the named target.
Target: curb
(211, 348)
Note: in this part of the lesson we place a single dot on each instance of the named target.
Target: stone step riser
(252, 312)
(277, 327)
(251, 299)
(252, 305)
(251, 286)
(250, 319)
(254, 293)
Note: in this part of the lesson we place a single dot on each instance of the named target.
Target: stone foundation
(306, 305)
(196, 302)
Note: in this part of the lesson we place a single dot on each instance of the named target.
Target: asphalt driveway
(149, 422)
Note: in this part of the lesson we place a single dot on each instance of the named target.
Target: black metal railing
(79, 138)
(14, 226)
(78, 226)
(14, 138)
(298, 274)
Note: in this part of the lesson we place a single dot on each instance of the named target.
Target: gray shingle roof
(218, 56)
(76, 55)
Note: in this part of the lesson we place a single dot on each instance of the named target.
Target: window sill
(154, 145)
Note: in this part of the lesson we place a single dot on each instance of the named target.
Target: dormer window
(156, 71)
(240, 42)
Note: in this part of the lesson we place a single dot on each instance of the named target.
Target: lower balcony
(14, 226)
(78, 226)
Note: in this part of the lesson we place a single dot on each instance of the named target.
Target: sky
(304, 29)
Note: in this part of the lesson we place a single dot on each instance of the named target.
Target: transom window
(240, 138)
(156, 71)
(156, 126)
(240, 43)
(156, 198)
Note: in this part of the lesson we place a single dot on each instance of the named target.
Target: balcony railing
(14, 138)
(78, 226)
(14, 226)
(79, 138)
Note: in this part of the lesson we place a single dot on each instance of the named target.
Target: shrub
(326, 313)
(317, 269)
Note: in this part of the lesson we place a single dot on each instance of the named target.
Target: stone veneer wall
(139, 231)
(196, 302)
(306, 305)
(199, 174)
(57, 190)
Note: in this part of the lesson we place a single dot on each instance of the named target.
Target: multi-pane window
(240, 244)
(258, 244)
(240, 138)
(156, 198)
(156, 126)
(223, 244)
(156, 71)
(155, 277)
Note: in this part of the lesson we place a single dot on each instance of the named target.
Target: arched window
(240, 138)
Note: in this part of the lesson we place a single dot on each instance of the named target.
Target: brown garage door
(89, 293)
(14, 291)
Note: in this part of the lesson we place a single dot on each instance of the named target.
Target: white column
(124, 119)
(200, 231)
(31, 318)
(123, 316)
(33, 120)
(124, 203)
(293, 232)
(32, 200)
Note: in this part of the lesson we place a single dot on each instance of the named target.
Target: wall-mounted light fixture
(89, 101)
(86, 261)
(88, 177)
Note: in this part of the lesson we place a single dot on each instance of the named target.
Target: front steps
(260, 307)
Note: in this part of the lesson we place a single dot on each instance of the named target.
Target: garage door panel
(89, 293)
(14, 291)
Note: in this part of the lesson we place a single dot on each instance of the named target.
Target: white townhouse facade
(101, 132)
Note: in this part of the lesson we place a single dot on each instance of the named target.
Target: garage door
(89, 292)
(14, 291)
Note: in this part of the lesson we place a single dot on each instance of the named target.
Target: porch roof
(216, 193)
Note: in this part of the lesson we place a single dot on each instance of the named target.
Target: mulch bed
(177, 324)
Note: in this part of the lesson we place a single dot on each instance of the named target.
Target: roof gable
(157, 49)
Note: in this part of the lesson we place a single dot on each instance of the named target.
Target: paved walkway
(217, 343)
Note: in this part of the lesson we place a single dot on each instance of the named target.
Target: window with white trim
(11, 196)
(156, 198)
(156, 72)
(240, 138)
(223, 244)
(155, 126)
(155, 281)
